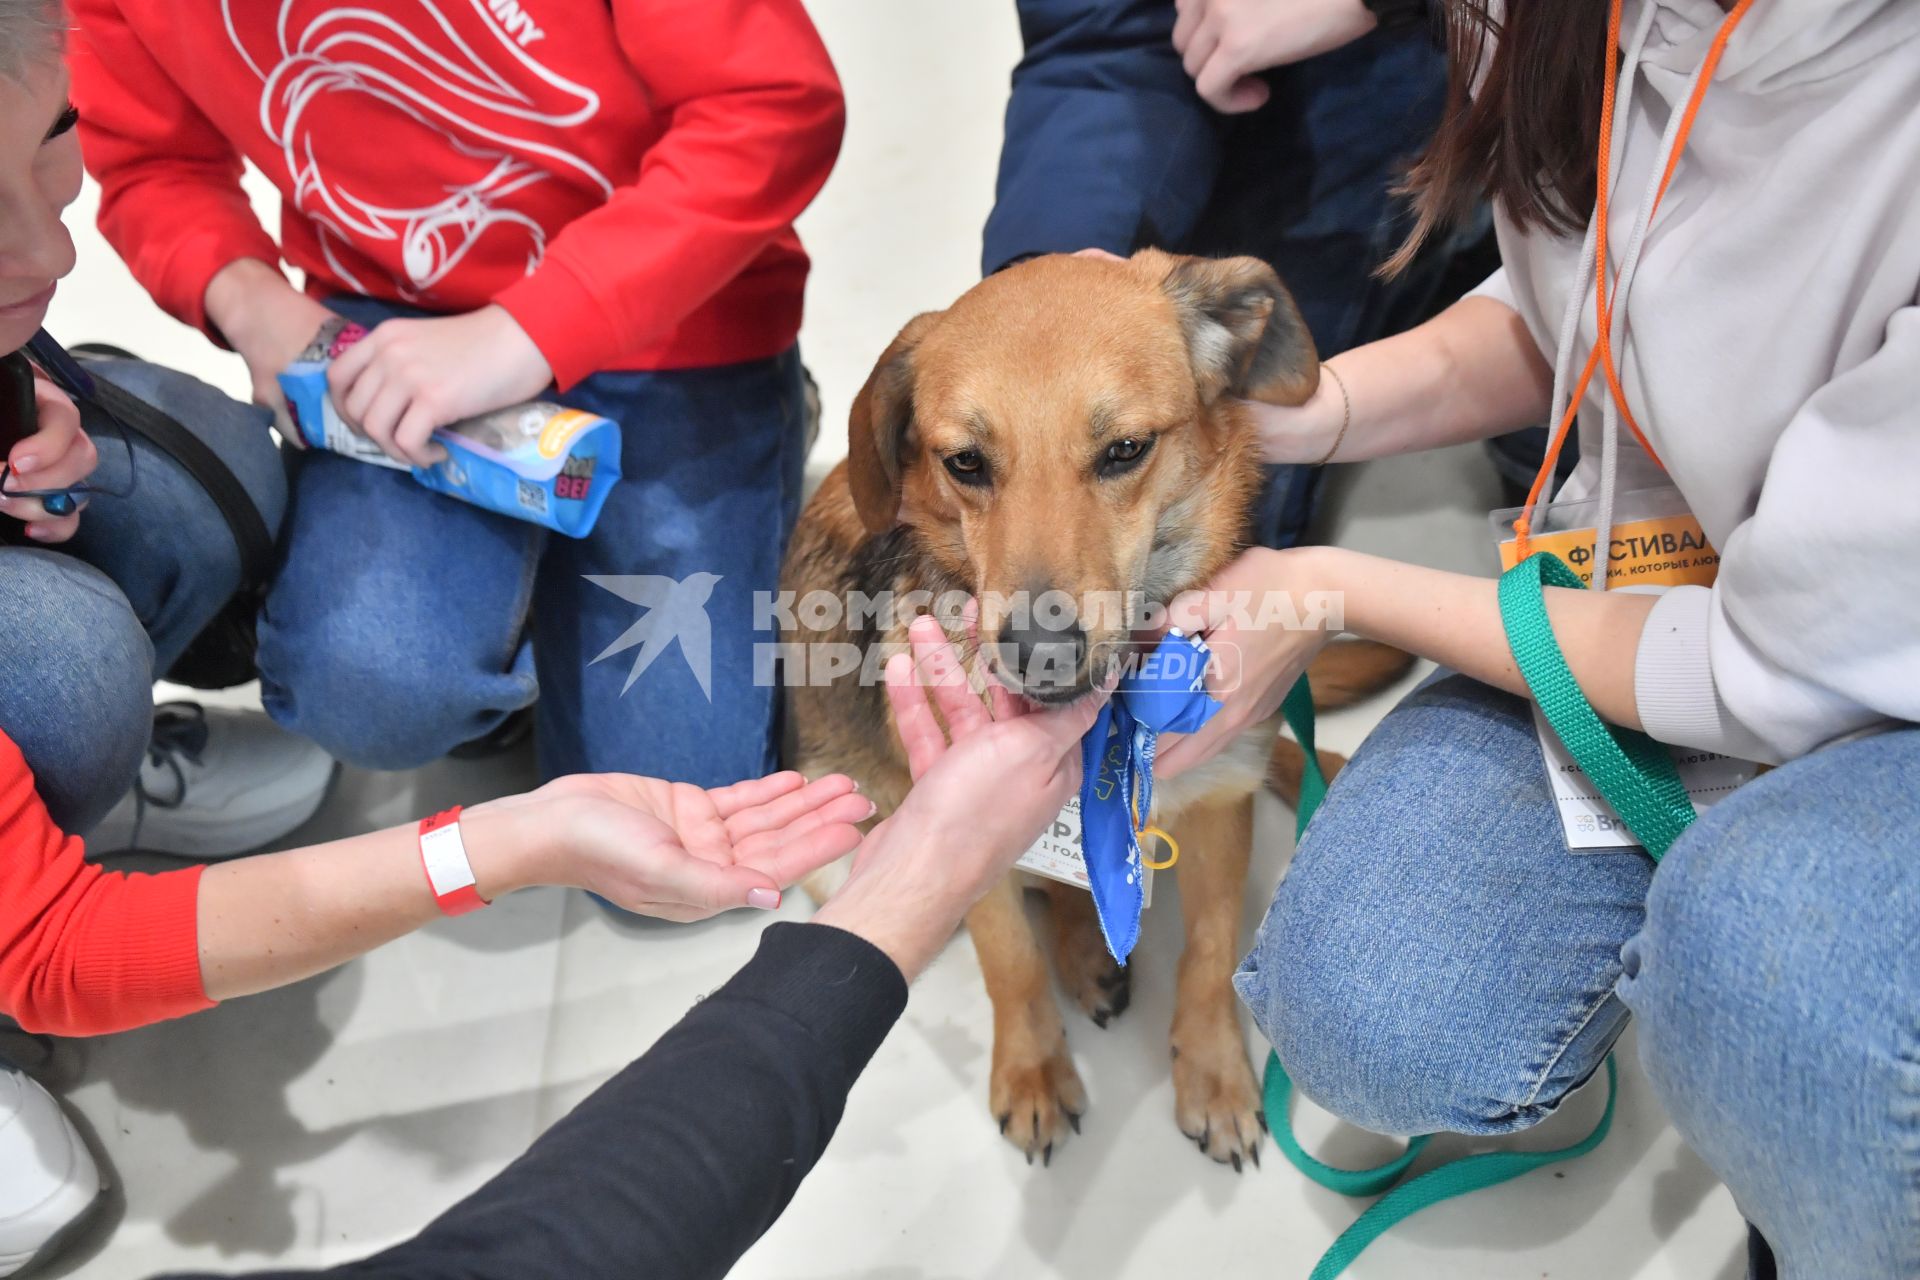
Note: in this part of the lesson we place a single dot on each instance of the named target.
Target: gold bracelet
(1346, 413)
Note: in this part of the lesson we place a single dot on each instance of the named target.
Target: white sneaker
(216, 782)
(48, 1180)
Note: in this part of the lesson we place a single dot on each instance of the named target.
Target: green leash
(1635, 775)
(1633, 772)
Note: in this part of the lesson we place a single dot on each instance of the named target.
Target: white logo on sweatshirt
(461, 193)
(515, 21)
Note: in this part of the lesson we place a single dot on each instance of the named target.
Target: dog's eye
(967, 466)
(1124, 455)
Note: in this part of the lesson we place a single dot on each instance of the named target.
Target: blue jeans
(89, 624)
(404, 623)
(1438, 960)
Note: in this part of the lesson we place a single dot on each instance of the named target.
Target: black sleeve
(679, 1163)
(1107, 144)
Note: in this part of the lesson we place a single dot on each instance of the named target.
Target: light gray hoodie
(1771, 354)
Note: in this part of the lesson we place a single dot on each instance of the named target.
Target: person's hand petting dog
(1253, 667)
(1224, 44)
(57, 455)
(407, 378)
(977, 803)
(673, 850)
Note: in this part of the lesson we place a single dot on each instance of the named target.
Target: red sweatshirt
(622, 177)
(85, 951)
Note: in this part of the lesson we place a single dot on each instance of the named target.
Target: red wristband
(444, 855)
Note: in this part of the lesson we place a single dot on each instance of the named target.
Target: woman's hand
(670, 849)
(1303, 433)
(975, 807)
(57, 455)
(1255, 664)
(1224, 43)
(269, 323)
(409, 377)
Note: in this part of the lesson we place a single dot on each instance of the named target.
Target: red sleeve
(171, 203)
(85, 951)
(756, 117)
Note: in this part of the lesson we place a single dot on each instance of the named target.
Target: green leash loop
(1635, 775)
(1402, 1201)
(1633, 772)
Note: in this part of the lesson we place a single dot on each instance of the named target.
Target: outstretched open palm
(681, 852)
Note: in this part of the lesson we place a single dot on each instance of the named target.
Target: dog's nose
(1046, 660)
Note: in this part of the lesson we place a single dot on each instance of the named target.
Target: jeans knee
(1380, 1047)
(1726, 947)
(237, 432)
(371, 707)
(76, 687)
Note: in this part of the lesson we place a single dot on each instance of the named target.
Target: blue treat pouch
(539, 462)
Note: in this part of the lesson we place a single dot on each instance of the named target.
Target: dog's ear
(1244, 333)
(879, 426)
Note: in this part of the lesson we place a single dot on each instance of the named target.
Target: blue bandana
(1165, 694)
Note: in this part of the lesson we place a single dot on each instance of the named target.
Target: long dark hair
(1527, 137)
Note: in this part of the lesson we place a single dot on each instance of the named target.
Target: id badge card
(1656, 543)
(1056, 854)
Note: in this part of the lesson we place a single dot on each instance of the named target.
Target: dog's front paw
(1035, 1093)
(1215, 1099)
(1102, 988)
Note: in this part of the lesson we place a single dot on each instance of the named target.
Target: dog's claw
(1254, 1154)
(1261, 1116)
(1029, 1159)
(1236, 1161)
(1005, 1120)
(1046, 1157)
(1100, 1018)
(1073, 1118)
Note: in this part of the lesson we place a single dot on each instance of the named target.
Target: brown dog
(1069, 425)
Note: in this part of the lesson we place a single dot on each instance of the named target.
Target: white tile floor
(316, 1123)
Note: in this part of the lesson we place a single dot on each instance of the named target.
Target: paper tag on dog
(1590, 822)
(1056, 854)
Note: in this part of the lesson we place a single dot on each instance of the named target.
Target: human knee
(1388, 1046)
(371, 706)
(77, 688)
(237, 433)
(1764, 909)
(1763, 921)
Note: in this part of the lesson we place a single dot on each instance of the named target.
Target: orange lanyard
(1602, 356)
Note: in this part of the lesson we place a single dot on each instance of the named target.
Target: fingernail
(26, 464)
(763, 899)
(37, 533)
(872, 808)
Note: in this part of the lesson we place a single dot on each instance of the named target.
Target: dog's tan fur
(1039, 369)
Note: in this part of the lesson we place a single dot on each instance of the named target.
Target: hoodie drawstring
(1593, 264)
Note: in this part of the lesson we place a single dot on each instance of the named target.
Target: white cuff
(1673, 684)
